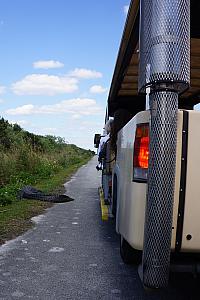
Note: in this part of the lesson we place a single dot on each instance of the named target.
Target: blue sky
(56, 64)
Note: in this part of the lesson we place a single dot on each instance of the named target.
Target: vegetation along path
(44, 162)
(72, 254)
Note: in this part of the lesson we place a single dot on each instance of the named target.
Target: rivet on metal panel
(188, 237)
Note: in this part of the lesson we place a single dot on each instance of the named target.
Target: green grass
(55, 182)
(44, 162)
(15, 217)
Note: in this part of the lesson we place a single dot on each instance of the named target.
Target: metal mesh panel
(164, 43)
(159, 209)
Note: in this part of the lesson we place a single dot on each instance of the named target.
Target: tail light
(141, 153)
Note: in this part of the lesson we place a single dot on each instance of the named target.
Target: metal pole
(161, 177)
(165, 69)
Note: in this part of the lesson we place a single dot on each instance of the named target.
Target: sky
(57, 60)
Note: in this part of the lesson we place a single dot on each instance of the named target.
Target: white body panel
(131, 198)
(191, 223)
(131, 195)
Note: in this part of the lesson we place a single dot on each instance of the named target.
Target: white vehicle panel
(191, 225)
(132, 195)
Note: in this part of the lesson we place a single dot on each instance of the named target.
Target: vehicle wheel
(114, 196)
(128, 254)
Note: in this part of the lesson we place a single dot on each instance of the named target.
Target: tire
(114, 196)
(128, 254)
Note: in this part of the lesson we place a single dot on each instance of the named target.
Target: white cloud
(21, 110)
(85, 73)
(126, 8)
(2, 89)
(97, 89)
(43, 84)
(76, 107)
(1, 101)
(76, 117)
(47, 64)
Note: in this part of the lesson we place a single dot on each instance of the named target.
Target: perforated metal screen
(165, 68)
(161, 177)
(164, 43)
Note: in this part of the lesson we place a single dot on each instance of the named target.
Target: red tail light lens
(141, 153)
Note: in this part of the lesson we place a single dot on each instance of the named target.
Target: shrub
(26, 158)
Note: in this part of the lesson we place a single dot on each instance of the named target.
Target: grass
(44, 162)
(15, 218)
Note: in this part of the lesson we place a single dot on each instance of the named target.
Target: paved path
(72, 254)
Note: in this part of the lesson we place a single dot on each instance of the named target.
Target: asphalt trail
(72, 254)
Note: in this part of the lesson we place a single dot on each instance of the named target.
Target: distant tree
(16, 127)
(4, 133)
(60, 140)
